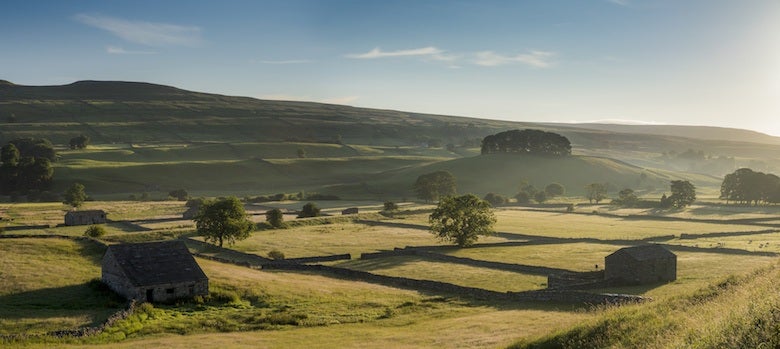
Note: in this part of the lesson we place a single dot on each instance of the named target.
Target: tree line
(745, 186)
(527, 141)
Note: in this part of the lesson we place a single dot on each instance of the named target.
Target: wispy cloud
(290, 61)
(115, 50)
(145, 33)
(429, 51)
(619, 2)
(538, 59)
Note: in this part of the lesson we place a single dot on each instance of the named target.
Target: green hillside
(152, 138)
(503, 173)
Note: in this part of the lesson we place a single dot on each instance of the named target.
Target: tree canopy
(75, 195)
(223, 220)
(462, 219)
(527, 141)
(26, 165)
(309, 210)
(79, 142)
(596, 192)
(683, 194)
(275, 218)
(179, 194)
(554, 189)
(434, 185)
(745, 186)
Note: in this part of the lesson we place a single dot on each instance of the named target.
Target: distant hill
(139, 125)
(699, 132)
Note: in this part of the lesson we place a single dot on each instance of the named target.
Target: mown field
(283, 309)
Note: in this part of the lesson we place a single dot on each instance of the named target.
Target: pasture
(269, 308)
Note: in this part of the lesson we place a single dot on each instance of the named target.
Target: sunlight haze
(669, 62)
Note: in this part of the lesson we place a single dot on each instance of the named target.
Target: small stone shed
(85, 217)
(351, 210)
(153, 271)
(644, 264)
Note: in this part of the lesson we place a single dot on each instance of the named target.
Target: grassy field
(45, 286)
(274, 309)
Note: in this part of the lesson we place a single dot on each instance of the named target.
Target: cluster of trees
(293, 196)
(25, 165)
(79, 142)
(683, 193)
(528, 192)
(527, 142)
(434, 185)
(596, 192)
(745, 186)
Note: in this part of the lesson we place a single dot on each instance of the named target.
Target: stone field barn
(645, 264)
(153, 271)
(85, 217)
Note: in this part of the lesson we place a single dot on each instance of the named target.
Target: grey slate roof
(86, 213)
(154, 263)
(645, 252)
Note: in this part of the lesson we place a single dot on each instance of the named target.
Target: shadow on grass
(379, 263)
(90, 299)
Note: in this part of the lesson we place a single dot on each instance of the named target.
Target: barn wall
(115, 279)
(170, 292)
(82, 218)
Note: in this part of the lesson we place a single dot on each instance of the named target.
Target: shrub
(95, 231)
(276, 254)
(275, 218)
(495, 199)
(523, 197)
(309, 210)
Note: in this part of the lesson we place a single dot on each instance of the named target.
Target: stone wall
(548, 295)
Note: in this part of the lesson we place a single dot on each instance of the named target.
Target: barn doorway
(150, 295)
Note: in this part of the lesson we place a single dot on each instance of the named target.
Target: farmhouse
(643, 264)
(153, 271)
(85, 217)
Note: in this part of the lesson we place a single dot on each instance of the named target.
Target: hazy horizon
(709, 63)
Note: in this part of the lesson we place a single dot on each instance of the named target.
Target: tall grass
(738, 312)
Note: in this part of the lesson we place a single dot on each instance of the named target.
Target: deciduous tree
(683, 194)
(596, 192)
(462, 219)
(223, 220)
(75, 195)
(309, 210)
(275, 218)
(432, 186)
(554, 189)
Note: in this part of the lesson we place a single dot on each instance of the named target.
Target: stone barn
(85, 217)
(645, 264)
(153, 271)
(351, 210)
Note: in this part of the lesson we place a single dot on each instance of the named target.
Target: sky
(690, 62)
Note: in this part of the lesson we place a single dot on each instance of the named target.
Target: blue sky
(700, 62)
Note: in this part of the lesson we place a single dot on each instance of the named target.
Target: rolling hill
(149, 137)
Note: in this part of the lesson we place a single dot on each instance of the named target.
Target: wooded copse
(25, 165)
(527, 141)
(745, 186)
